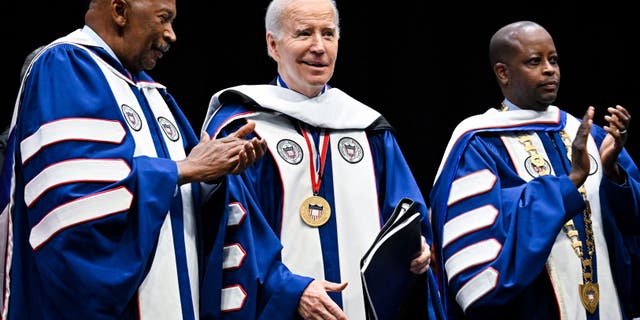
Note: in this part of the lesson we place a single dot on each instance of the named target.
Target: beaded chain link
(589, 291)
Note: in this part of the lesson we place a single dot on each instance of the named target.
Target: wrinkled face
(534, 73)
(149, 32)
(308, 46)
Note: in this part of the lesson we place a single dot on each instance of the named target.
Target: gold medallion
(590, 294)
(589, 291)
(315, 211)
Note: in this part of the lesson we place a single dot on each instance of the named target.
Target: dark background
(423, 65)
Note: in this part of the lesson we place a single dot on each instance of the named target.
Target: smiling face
(148, 34)
(529, 72)
(306, 47)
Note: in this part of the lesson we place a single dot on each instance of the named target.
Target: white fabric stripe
(295, 235)
(160, 109)
(79, 170)
(333, 109)
(82, 129)
(190, 239)
(519, 156)
(7, 250)
(609, 307)
(4, 224)
(78, 211)
(159, 282)
(233, 256)
(468, 222)
(162, 276)
(473, 255)
(81, 39)
(164, 263)
(470, 185)
(493, 118)
(7, 254)
(477, 287)
(358, 221)
(301, 244)
(176, 150)
(563, 265)
(121, 88)
(233, 298)
(236, 214)
(564, 270)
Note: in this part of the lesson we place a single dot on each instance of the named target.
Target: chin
(548, 99)
(149, 65)
(313, 84)
(317, 77)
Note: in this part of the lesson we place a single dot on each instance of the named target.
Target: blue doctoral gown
(498, 222)
(268, 254)
(99, 227)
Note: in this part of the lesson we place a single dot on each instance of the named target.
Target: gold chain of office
(589, 291)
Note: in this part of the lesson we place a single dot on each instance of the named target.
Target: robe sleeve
(621, 222)
(244, 274)
(91, 209)
(496, 236)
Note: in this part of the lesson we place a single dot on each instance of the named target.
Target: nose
(549, 67)
(317, 43)
(169, 34)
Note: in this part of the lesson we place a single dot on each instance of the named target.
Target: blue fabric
(273, 290)
(91, 270)
(527, 227)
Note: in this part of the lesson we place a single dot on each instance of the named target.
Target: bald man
(536, 212)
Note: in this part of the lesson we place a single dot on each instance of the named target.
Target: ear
(502, 73)
(271, 46)
(120, 11)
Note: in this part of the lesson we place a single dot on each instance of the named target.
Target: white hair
(275, 10)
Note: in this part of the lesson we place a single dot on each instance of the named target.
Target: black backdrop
(424, 66)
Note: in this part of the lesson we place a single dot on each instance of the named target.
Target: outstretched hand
(618, 121)
(214, 158)
(315, 303)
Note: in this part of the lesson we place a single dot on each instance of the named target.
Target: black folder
(384, 269)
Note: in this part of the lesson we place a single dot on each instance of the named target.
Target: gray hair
(273, 18)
